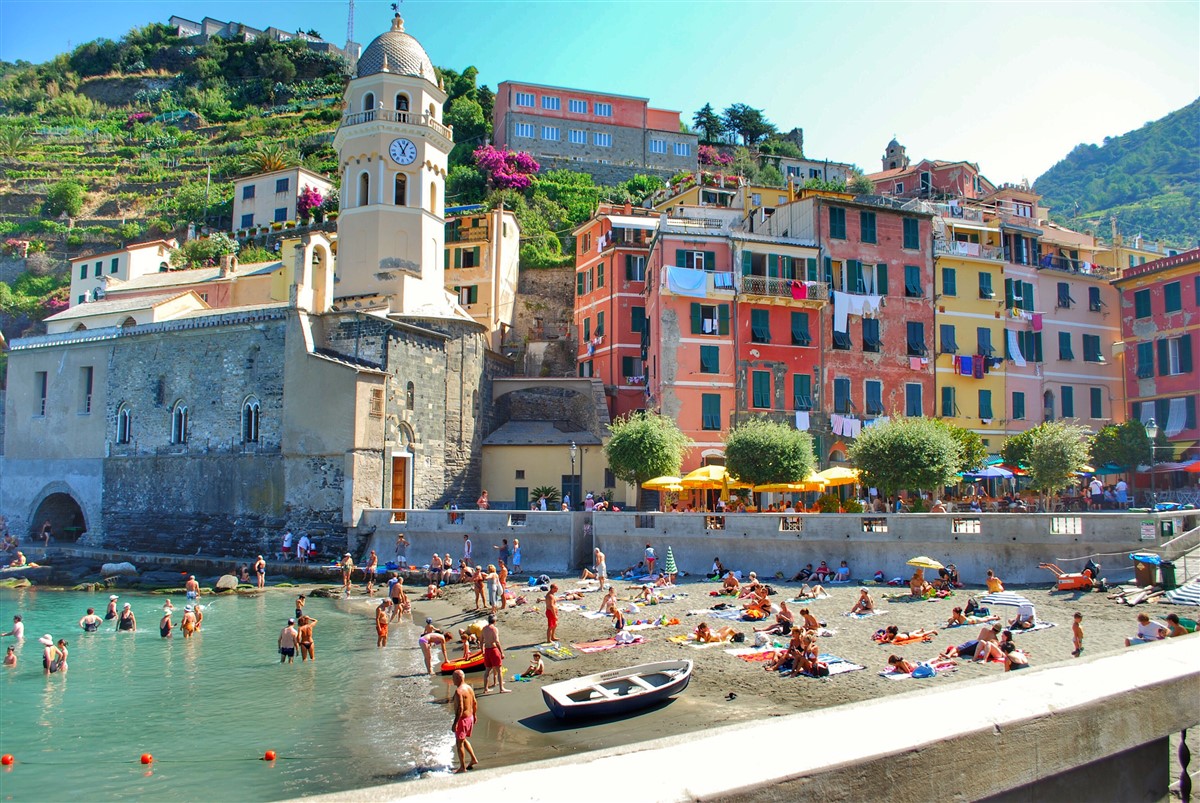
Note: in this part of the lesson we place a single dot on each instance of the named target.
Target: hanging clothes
(967, 364)
(799, 291)
(977, 366)
(1014, 349)
(841, 312)
(802, 420)
(1037, 321)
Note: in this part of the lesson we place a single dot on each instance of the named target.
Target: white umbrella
(1187, 594)
(1004, 598)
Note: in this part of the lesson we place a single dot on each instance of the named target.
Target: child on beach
(1077, 633)
(535, 665)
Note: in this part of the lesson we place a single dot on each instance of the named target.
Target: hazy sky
(1013, 85)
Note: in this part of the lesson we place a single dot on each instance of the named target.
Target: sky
(1013, 86)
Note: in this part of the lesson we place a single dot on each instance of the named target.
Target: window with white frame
(251, 409)
(601, 139)
(525, 99)
(683, 149)
(658, 146)
(179, 422)
(576, 136)
(523, 130)
(577, 106)
(124, 423)
(551, 103)
(551, 133)
(602, 109)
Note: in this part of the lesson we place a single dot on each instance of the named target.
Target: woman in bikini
(901, 666)
(783, 622)
(864, 604)
(811, 592)
(705, 634)
(304, 637)
(810, 621)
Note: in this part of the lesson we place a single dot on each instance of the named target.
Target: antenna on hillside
(350, 23)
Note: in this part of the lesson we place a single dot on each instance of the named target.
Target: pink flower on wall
(310, 199)
(505, 169)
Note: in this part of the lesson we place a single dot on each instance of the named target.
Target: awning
(630, 222)
(954, 223)
(1023, 229)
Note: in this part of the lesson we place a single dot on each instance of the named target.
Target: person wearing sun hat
(111, 612)
(51, 656)
(126, 619)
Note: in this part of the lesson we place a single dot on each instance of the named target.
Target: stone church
(214, 429)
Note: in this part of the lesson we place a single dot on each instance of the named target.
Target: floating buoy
(6, 759)
(269, 755)
(147, 758)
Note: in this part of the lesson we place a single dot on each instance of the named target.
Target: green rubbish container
(1166, 571)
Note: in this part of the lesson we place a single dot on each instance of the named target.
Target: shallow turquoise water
(207, 708)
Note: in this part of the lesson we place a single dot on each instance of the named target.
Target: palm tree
(268, 158)
(13, 141)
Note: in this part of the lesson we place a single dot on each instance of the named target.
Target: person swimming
(165, 625)
(90, 621)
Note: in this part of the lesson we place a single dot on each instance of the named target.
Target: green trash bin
(1166, 572)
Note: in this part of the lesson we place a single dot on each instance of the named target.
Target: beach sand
(516, 728)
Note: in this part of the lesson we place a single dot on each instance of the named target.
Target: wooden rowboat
(618, 691)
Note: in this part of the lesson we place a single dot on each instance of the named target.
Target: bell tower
(896, 156)
(392, 153)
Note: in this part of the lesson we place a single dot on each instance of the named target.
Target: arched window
(1048, 405)
(128, 322)
(433, 199)
(163, 267)
(179, 422)
(410, 396)
(401, 102)
(400, 196)
(432, 112)
(250, 419)
(124, 422)
(364, 188)
(369, 103)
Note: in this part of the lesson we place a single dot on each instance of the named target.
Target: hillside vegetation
(1148, 179)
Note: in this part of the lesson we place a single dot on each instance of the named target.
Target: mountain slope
(1148, 179)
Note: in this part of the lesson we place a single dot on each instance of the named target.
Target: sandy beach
(516, 727)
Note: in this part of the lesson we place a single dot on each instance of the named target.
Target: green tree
(748, 123)
(860, 184)
(65, 198)
(13, 141)
(710, 123)
(769, 176)
(471, 128)
(761, 451)
(203, 253)
(972, 453)
(906, 453)
(465, 185)
(575, 193)
(645, 445)
(268, 157)
(1125, 445)
(1056, 451)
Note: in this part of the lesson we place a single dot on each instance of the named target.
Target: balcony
(475, 234)
(974, 250)
(422, 119)
(697, 283)
(815, 293)
(1078, 266)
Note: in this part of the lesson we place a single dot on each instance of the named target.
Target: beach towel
(642, 626)
(938, 668)
(757, 656)
(836, 665)
(689, 639)
(976, 622)
(802, 600)
(559, 652)
(595, 615)
(1038, 626)
(729, 614)
(567, 607)
(864, 615)
(766, 649)
(906, 640)
(605, 644)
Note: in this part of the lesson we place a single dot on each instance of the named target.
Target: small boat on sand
(618, 691)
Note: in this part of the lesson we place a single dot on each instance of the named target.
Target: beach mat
(802, 600)
(556, 653)
(939, 667)
(836, 665)
(977, 622)
(729, 614)
(1039, 626)
(864, 615)
(596, 615)
(605, 644)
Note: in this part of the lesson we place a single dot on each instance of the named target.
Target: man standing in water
(287, 642)
(306, 638)
(260, 571)
(551, 614)
(192, 588)
(18, 629)
(493, 656)
(464, 721)
(381, 624)
(347, 571)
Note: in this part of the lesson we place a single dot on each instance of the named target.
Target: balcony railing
(1052, 262)
(783, 288)
(969, 250)
(395, 116)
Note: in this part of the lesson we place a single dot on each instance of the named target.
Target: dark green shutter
(812, 269)
(773, 266)
(1164, 358)
(579, 283)
(710, 260)
(723, 319)
(476, 256)
(1037, 346)
(1018, 405)
(680, 256)
(697, 320)
(458, 257)
(854, 277)
(629, 267)
(446, 258)
(881, 282)
(1185, 354)
(1027, 296)
(829, 272)
(747, 263)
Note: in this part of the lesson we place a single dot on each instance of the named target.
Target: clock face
(403, 151)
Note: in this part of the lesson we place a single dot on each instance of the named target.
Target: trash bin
(1167, 573)
(1143, 574)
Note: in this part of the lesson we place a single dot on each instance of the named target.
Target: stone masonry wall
(548, 297)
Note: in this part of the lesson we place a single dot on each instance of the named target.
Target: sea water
(209, 707)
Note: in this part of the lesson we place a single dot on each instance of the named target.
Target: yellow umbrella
(663, 483)
(711, 477)
(838, 475)
(923, 562)
(810, 483)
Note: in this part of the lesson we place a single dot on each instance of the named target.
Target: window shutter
(710, 260)
(697, 324)
(829, 272)
(773, 266)
(854, 277)
(723, 319)
(1008, 293)
(680, 257)
(747, 263)
(812, 270)
(446, 259)
(1185, 354)
(1027, 296)
(1164, 358)
(476, 256)
(881, 286)
(579, 283)
(629, 267)
(1037, 346)
(458, 257)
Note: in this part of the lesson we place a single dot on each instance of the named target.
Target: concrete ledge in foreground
(967, 741)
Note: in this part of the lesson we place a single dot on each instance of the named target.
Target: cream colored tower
(392, 152)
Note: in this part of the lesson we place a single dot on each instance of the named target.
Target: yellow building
(724, 192)
(482, 262)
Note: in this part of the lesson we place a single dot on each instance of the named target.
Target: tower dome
(398, 53)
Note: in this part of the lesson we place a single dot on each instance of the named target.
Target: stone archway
(65, 514)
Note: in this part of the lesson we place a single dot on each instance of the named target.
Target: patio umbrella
(810, 483)
(923, 562)
(1187, 594)
(1005, 598)
(989, 473)
(838, 475)
(669, 566)
(711, 478)
(1110, 468)
(663, 484)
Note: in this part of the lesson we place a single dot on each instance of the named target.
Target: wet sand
(516, 727)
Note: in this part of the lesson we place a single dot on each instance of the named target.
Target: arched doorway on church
(64, 514)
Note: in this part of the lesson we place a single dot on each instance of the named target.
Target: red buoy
(6, 759)
(147, 758)
(269, 755)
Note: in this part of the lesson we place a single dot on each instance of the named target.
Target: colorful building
(611, 251)
(268, 198)
(90, 274)
(610, 136)
(928, 178)
(482, 262)
(1159, 325)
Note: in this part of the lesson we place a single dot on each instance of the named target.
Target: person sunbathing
(634, 571)
(810, 621)
(705, 634)
(784, 659)
(959, 618)
(806, 662)
(783, 622)
(1174, 626)
(893, 634)
(823, 573)
(1026, 617)
(730, 585)
(811, 592)
(804, 575)
(964, 650)
(918, 586)
(576, 595)
(751, 586)
(900, 666)
(864, 604)
(1014, 659)
(718, 570)
(990, 650)
(610, 601)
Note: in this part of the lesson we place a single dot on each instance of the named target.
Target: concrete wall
(27, 482)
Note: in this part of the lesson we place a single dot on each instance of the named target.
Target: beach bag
(739, 638)
(760, 639)
(820, 670)
(923, 671)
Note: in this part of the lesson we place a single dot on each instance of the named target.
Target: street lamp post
(1152, 434)
(574, 451)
